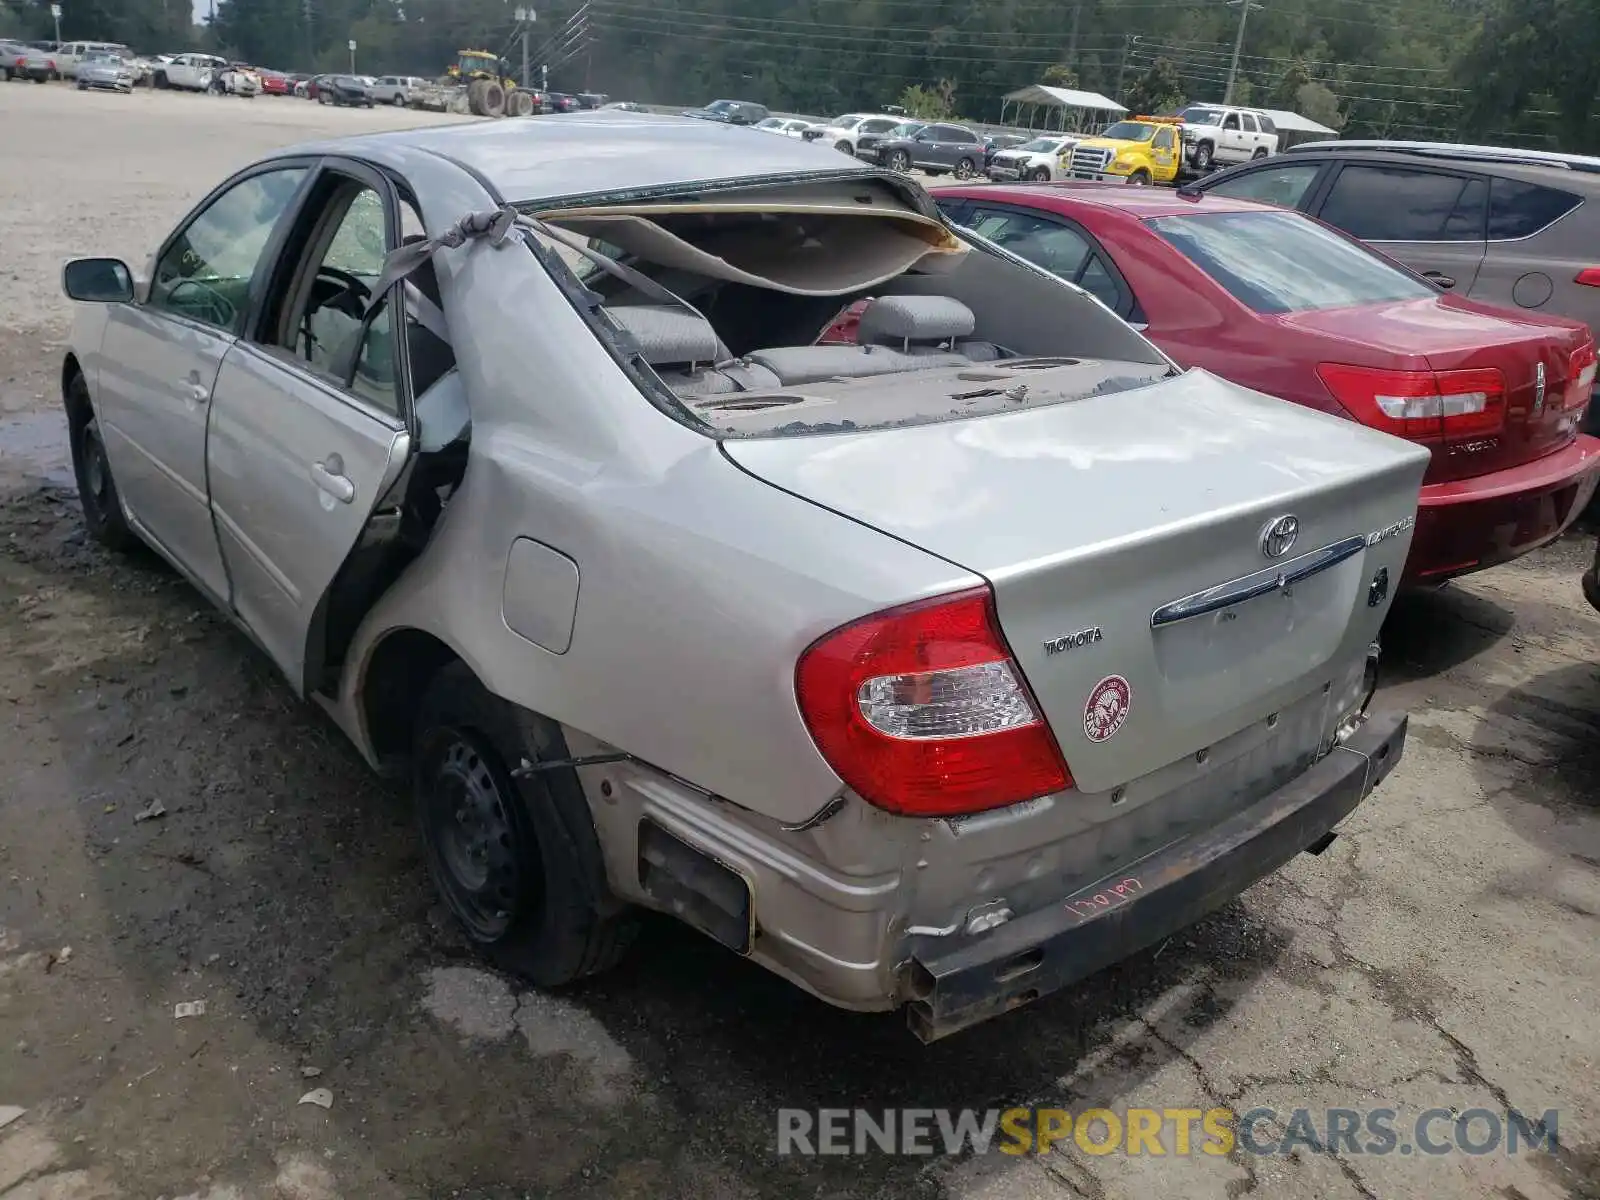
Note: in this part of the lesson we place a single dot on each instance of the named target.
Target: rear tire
(517, 862)
(399, 101)
(1261, 152)
(966, 169)
(97, 491)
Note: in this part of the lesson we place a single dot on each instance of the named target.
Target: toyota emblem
(1278, 538)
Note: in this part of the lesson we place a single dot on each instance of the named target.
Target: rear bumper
(1468, 524)
(1151, 899)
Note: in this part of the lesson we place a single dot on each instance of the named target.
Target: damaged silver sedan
(935, 666)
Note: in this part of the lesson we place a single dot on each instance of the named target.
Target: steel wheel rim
(476, 845)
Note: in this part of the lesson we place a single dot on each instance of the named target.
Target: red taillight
(1589, 277)
(1421, 405)
(923, 711)
(1580, 377)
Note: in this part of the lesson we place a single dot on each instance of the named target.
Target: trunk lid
(1448, 333)
(1088, 517)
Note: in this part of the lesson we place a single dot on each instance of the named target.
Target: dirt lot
(1443, 953)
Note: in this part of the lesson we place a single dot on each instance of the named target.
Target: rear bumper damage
(1151, 899)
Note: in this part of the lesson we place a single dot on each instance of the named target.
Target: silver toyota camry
(700, 523)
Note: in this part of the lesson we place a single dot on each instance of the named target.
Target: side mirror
(97, 281)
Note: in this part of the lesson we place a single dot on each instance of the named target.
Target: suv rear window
(1280, 262)
(1519, 210)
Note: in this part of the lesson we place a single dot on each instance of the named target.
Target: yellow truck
(1136, 150)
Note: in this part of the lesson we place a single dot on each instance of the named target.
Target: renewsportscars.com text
(1159, 1132)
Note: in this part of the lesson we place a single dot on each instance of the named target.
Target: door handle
(329, 476)
(198, 393)
(1440, 278)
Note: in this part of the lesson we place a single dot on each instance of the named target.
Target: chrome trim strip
(1260, 583)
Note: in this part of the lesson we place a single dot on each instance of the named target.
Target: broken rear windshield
(1279, 262)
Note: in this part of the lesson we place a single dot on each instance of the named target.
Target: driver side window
(206, 273)
(331, 334)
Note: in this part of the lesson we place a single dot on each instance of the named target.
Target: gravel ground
(1442, 954)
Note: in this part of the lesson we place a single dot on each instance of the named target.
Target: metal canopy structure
(1294, 123)
(1066, 106)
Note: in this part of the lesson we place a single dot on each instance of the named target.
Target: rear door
(1536, 251)
(311, 427)
(1431, 219)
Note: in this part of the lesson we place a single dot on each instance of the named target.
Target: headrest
(667, 334)
(890, 319)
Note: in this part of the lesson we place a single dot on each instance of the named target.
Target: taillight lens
(1421, 405)
(1589, 277)
(923, 711)
(1580, 379)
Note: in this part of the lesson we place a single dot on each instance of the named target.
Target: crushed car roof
(602, 151)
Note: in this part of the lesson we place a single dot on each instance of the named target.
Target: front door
(159, 361)
(1164, 152)
(308, 430)
(1433, 221)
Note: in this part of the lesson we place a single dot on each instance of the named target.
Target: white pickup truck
(1216, 135)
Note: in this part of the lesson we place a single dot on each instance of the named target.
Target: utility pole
(1238, 44)
(1128, 39)
(1072, 46)
(525, 17)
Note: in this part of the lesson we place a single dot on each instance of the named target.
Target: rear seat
(684, 350)
(898, 333)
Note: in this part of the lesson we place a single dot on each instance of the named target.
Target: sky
(202, 9)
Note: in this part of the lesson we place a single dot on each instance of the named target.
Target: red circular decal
(1107, 708)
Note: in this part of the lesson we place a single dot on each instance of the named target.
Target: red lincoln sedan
(1279, 302)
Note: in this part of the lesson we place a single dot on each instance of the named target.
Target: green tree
(1158, 90)
(926, 104)
(1528, 49)
(1320, 104)
(1060, 76)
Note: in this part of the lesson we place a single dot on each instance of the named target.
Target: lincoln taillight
(1425, 406)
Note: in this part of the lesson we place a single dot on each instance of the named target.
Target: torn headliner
(817, 239)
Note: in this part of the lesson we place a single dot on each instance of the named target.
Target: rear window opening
(1280, 262)
(835, 307)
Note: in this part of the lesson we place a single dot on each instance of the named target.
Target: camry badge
(1278, 538)
(1538, 390)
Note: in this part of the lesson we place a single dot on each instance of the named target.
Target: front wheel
(1040, 175)
(966, 169)
(1140, 178)
(97, 491)
(845, 148)
(900, 161)
(1203, 155)
(517, 862)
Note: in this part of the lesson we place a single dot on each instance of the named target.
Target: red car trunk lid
(1545, 365)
